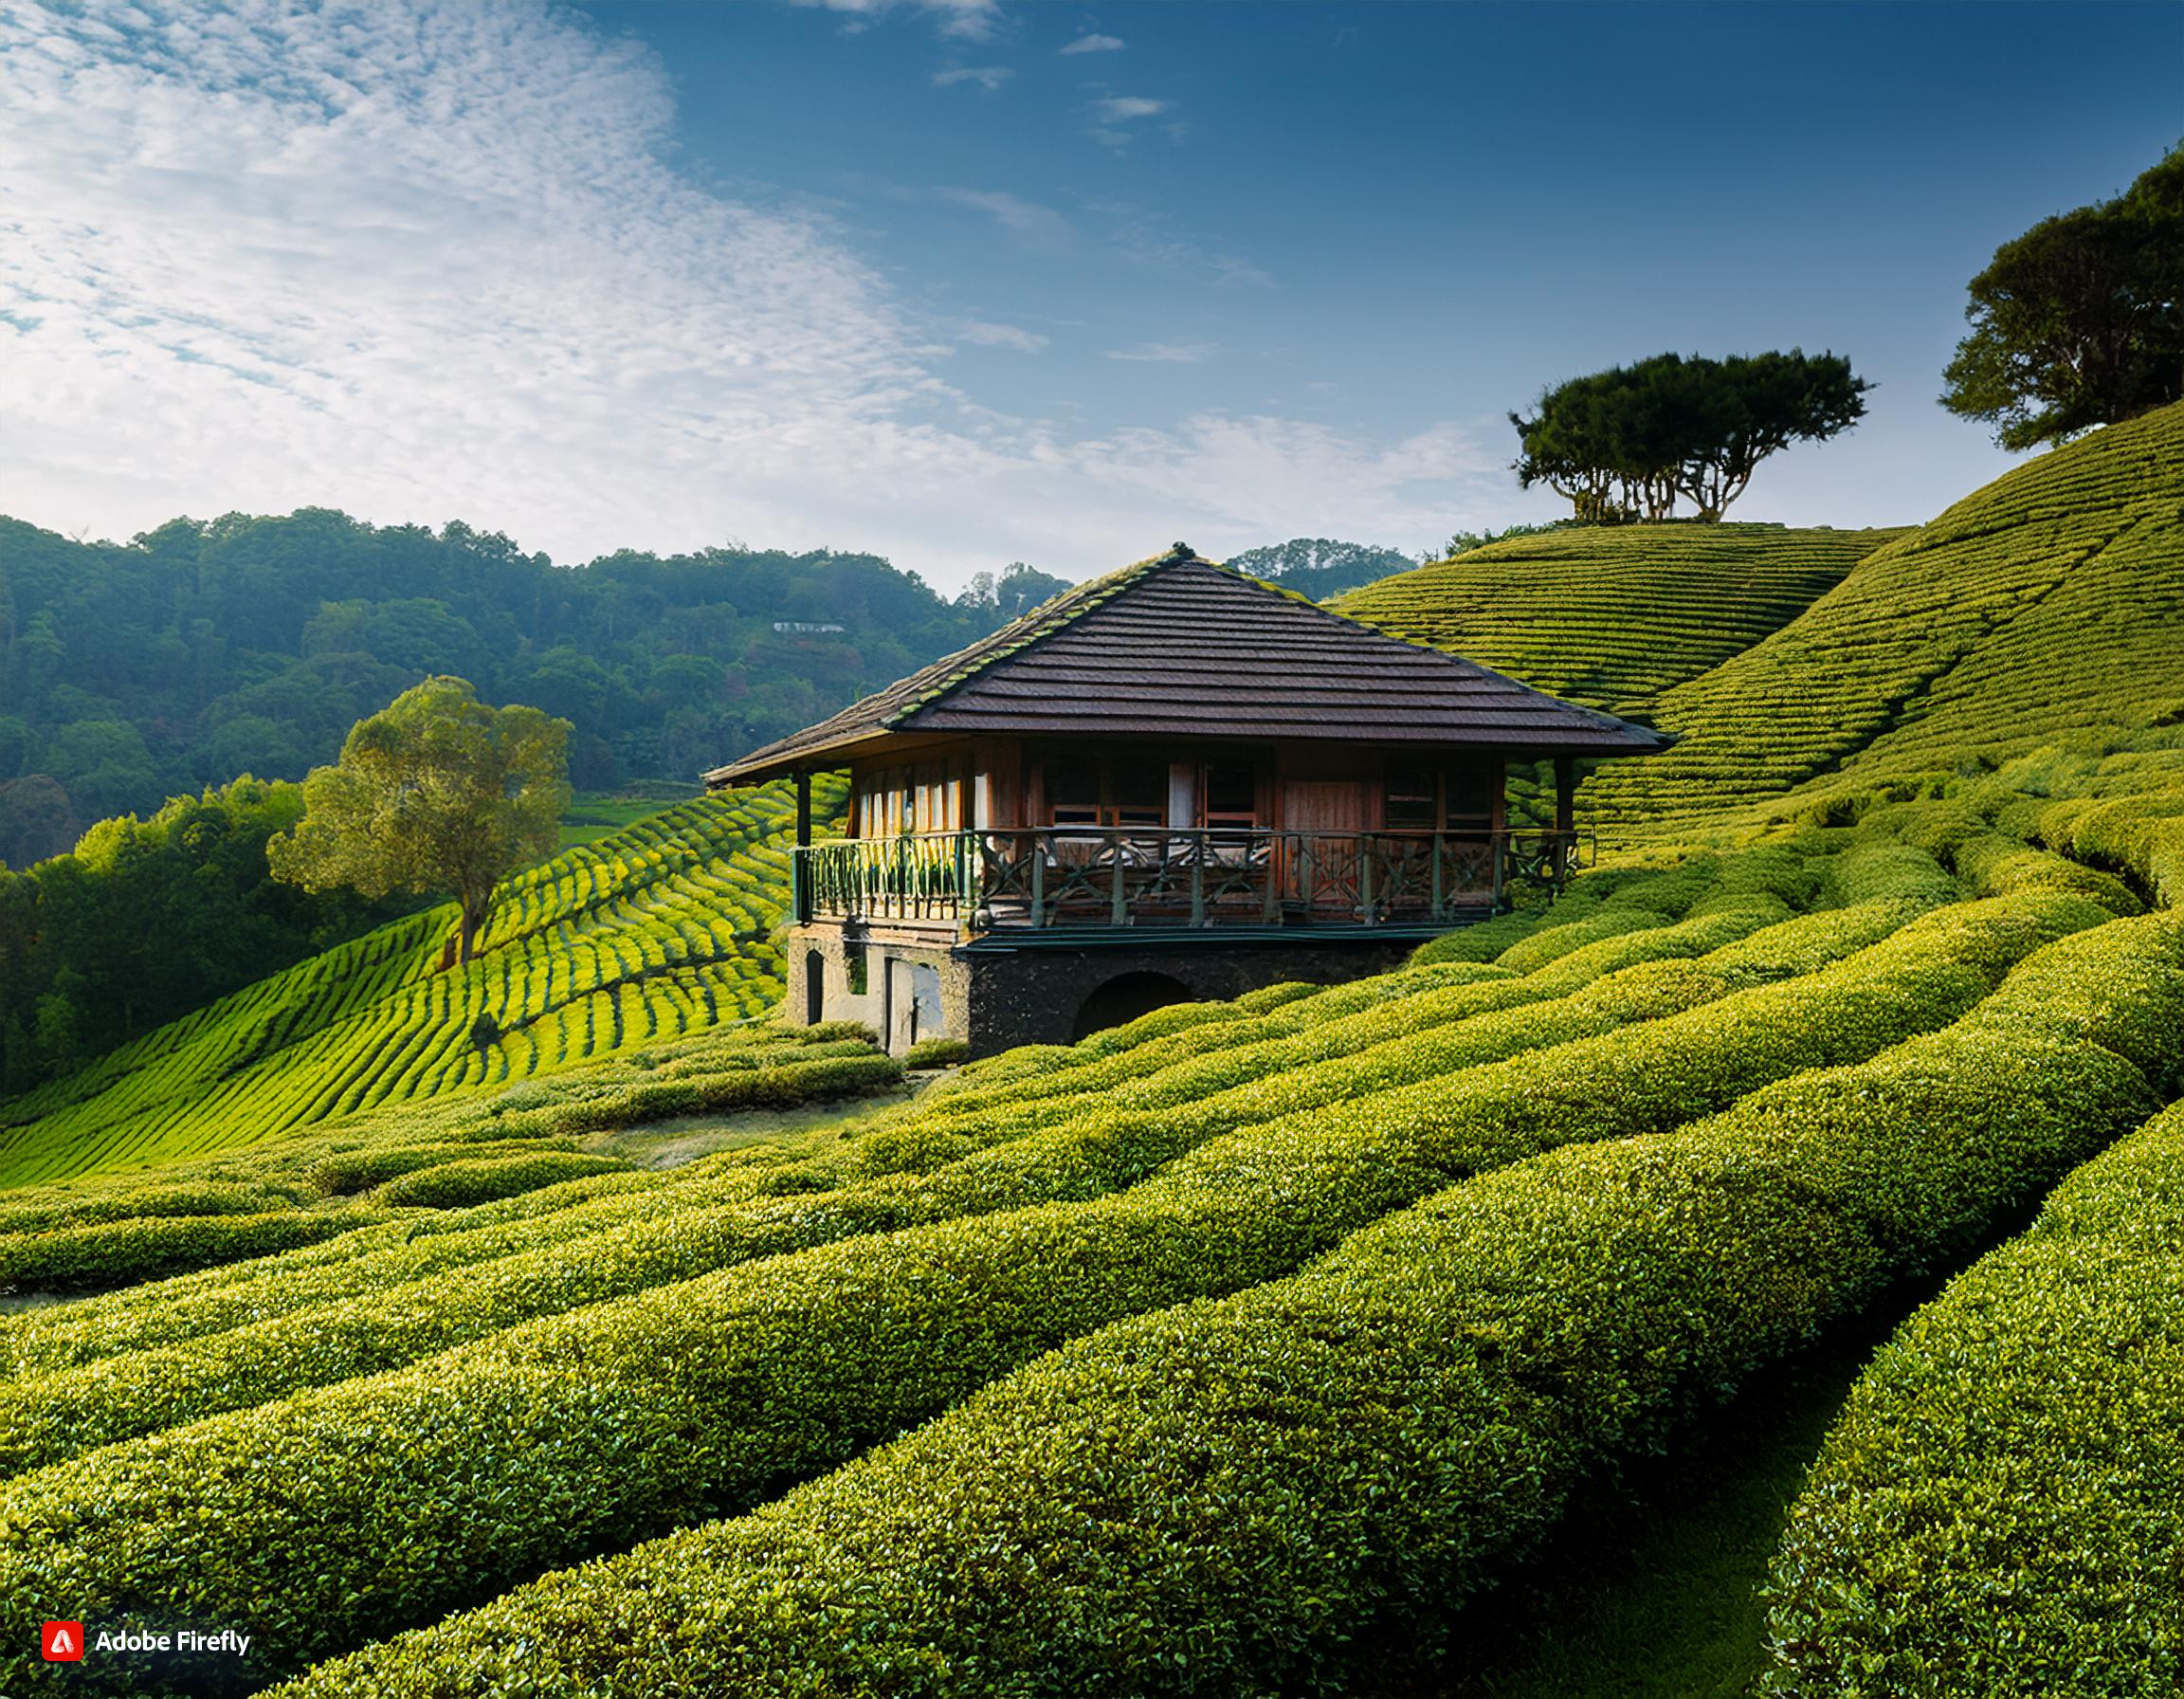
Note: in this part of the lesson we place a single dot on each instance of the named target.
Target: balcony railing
(1149, 876)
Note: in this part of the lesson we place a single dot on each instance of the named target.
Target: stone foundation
(908, 984)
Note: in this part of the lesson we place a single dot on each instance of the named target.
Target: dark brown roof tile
(1180, 645)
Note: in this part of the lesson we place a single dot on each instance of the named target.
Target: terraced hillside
(657, 930)
(2047, 605)
(1614, 617)
(1252, 1335)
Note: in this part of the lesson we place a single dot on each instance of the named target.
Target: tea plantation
(2047, 605)
(1243, 1349)
(660, 929)
(1613, 616)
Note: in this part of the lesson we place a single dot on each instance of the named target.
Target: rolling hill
(2045, 607)
(1615, 616)
(1258, 1341)
(655, 931)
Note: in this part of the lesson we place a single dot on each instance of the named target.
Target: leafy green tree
(2079, 321)
(1626, 444)
(437, 793)
(1732, 413)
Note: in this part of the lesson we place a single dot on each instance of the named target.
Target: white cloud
(965, 20)
(1117, 109)
(1041, 226)
(1094, 43)
(987, 76)
(426, 262)
(1000, 335)
(1169, 354)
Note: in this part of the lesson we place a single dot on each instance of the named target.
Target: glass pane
(1073, 792)
(1072, 784)
(1471, 794)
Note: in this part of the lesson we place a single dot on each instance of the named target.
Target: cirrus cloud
(424, 262)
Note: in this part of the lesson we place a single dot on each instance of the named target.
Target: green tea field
(657, 930)
(1615, 616)
(1252, 1346)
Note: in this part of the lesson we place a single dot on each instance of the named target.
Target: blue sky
(968, 283)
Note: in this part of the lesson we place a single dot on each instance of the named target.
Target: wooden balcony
(1025, 883)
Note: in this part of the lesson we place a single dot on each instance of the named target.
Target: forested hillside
(136, 671)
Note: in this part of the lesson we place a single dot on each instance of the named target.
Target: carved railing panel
(1074, 876)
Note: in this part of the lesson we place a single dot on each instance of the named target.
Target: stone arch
(1124, 999)
(815, 987)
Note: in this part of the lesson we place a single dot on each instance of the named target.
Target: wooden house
(1173, 782)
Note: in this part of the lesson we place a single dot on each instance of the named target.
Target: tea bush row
(1238, 1489)
(151, 1247)
(514, 1453)
(127, 1251)
(371, 1314)
(2001, 1508)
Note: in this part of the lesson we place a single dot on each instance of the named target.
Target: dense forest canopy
(146, 920)
(131, 672)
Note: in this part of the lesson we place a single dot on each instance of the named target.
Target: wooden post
(1565, 813)
(801, 857)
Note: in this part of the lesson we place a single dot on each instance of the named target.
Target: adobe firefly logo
(62, 1642)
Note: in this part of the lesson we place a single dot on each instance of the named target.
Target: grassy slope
(1613, 618)
(658, 930)
(2048, 606)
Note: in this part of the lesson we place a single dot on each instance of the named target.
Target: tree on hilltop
(1626, 444)
(2080, 321)
(1321, 567)
(435, 793)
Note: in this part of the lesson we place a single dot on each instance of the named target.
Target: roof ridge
(969, 688)
(1055, 615)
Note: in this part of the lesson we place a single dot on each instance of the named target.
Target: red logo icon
(63, 1643)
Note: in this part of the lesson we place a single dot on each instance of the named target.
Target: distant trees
(2079, 321)
(437, 792)
(1626, 444)
(132, 673)
(1321, 567)
(1020, 588)
(1463, 542)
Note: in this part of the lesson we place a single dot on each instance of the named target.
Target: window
(1073, 792)
(1123, 792)
(1472, 793)
(1138, 792)
(1413, 802)
(1232, 797)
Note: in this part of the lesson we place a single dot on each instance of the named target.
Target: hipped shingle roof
(1179, 645)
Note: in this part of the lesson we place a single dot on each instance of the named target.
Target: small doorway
(815, 987)
(925, 1018)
